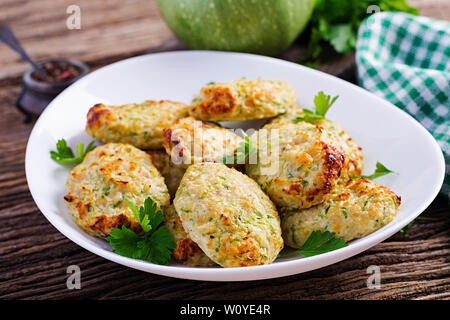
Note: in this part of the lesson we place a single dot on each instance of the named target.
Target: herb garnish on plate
(64, 154)
(380, 171)
(322, 103)
(154, 245)
(319, 242)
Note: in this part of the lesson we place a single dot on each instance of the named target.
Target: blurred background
(115, 29)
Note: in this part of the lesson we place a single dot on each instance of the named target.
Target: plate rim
(269, 271)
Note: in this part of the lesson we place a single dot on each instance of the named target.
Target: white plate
(385, 133)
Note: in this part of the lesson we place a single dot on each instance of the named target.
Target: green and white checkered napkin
(406, 60)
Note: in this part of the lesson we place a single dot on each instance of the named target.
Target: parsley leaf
(342, 37)
(148, 215)
(125, 242)
(155, 245)
(308, 116)
(336, 23)
(319, 242)
(64, 154)
(322, 103)
(243, 152)
(380, 171)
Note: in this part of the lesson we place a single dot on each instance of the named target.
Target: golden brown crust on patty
(97, 187)
(95, 116)
(305, 163)
(186, 250)
(190, 141)
(138, 124)
(243, 100)
(352, 210)
(353, 164)
(230, 218)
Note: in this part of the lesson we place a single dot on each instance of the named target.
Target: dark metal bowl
(36, 95)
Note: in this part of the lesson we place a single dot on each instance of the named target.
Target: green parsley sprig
(380, 171)
(155, 245)
(319, 242)
(243, 152)
(64, 154)
(336, 22)
(322, 104)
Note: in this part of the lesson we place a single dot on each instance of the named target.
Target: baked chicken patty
(97, 187)
(298, 164)
(243, 100)
(228, 215)
(353, 164)
(190, 141)
(138, 124)
(353, 210)
(186, 250)
(171, 172)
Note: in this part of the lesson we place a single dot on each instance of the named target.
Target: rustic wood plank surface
(34, 256)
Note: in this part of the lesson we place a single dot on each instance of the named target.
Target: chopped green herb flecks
(344, 212)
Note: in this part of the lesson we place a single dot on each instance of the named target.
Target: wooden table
(34, 256)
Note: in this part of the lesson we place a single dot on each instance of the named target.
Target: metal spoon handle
(8, 38)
